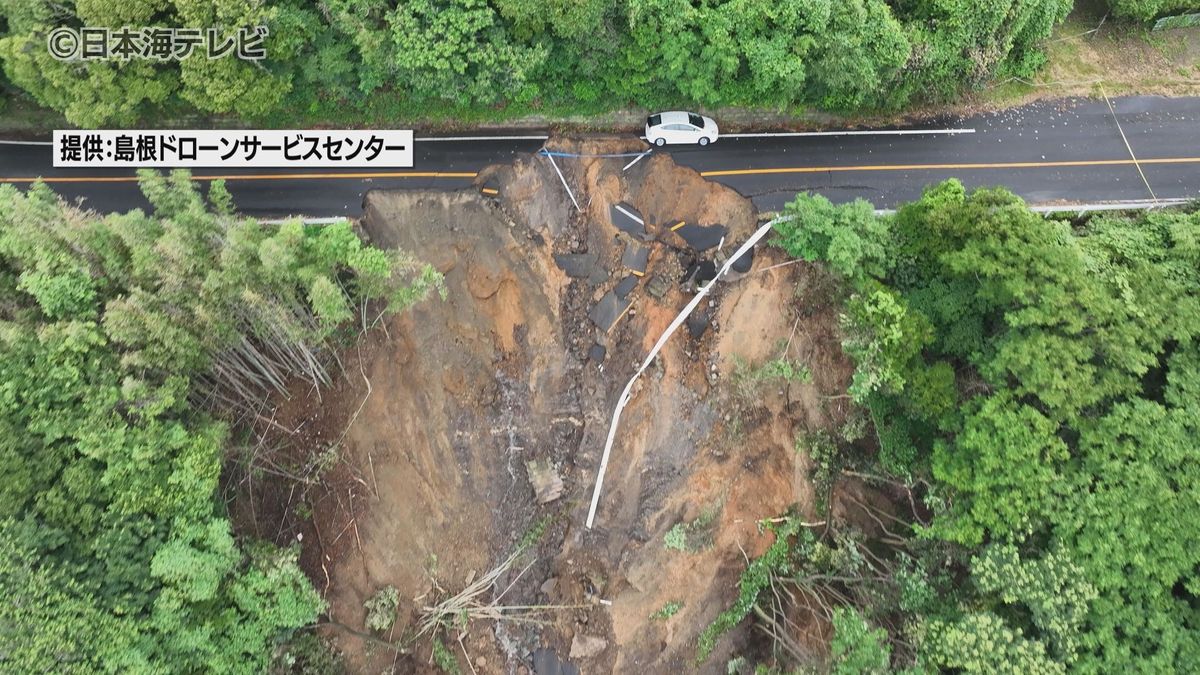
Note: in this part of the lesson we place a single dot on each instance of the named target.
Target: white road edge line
(770, 134)
(435, 139)
(877, 132)
(626, 393)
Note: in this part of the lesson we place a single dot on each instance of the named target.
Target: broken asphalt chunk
(547, 662)
(596, 353)
(701, 237)
(636, 258)
(742, 264)
(700, 272)
(628, 219)
(626, 286)
(658, 286)
(608, 311)
(576, 265)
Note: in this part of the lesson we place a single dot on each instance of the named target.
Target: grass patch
(667, 611)
(1119, 58)
(696, 535)
(535, 533)
(748, 379)
(444, 659)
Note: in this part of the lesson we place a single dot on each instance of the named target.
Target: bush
(381, 608)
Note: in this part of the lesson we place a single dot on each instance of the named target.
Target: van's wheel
(703, 140)
(660, 142)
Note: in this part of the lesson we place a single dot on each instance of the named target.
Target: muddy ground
(429, 433)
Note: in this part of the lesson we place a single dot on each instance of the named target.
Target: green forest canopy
(116, 554)
(1039, 381)
(472, 55)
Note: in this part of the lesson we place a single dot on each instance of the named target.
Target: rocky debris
(658, 286)
(587, 646)
(547, 485)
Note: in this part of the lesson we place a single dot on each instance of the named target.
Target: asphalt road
(1048, 152)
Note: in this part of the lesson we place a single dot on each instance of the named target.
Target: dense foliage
(1036, 383)
(116, 554)
(469, 55)
(1144, 10)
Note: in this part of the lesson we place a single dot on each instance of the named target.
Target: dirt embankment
(548, 312)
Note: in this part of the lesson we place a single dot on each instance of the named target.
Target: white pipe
(625, 393)
(564, 180)
(635, 161)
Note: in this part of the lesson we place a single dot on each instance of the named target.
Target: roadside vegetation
(1033, 387)
(364, 62)
(472, 60)
(1096, 51)
(130, 346)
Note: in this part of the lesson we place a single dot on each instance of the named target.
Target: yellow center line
(254, 176)
(706, 174)
(928, 167)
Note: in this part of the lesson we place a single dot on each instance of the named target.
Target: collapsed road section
(479, 422)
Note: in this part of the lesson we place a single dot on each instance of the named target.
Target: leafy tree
(567, 19)
(964, 43)
(1053, 589)
(1050, 417)
(88, 93)
(481, 56)
(51, 623)
(458, 51)
(858, 58)
(979, 643)
(1005, 457)
(857, 648)
(1145, 10)
(848, 237)
(883, 337)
